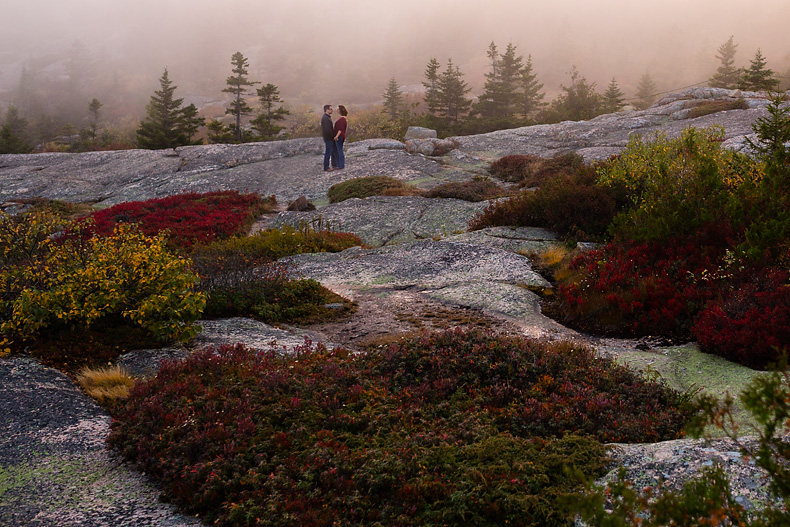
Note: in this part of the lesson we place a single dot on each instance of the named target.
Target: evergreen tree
(167, 125)
(510, 71)
(27, 97)
(13, 134)
(219, 133)
(773, 133)
(757, 77)
(237, 86)
(613, 98)
(266, 122)
(393, 99)
(646, 92)
(727, 75)
(488, 103)
(431, 84)
(579, 101)
(530, 96)
(451, 90)
(93, 108)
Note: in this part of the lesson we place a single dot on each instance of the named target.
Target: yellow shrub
(77, 283)
(112, 382)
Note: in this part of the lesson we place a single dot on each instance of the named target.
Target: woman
(340, 136)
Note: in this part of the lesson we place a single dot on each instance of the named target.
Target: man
(328, 132)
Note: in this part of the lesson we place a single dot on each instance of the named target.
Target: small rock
(300, 204)
(418, 132)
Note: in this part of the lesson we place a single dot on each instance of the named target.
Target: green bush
(532, 171)
(273, 244)
(479, 189)
(64, 283)
(454, 429)
(364, 187)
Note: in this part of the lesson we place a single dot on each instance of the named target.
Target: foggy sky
(348, 49)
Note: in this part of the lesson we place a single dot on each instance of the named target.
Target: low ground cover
(365, 187)
(454, 428)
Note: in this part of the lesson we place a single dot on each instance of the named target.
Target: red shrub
(189, 218)
(751, 325)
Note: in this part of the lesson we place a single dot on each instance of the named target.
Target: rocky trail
(422, 271)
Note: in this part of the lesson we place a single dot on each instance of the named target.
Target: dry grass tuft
(111, 382)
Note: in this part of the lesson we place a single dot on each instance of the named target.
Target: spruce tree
(510, 69)
(579, 101)
(393, 99)
(757, 77)
(530, 96)
(237, 86)
(167, 124)
(613, 98)
(13, 134)
(646, 92)
(451, 90)
(489, 102)
(94, 108)
(727, 75)
(431, 83)
(266, 122)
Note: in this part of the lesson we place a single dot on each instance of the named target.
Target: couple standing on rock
(334, 137)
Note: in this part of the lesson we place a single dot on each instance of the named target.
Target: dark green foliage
(646, 92)
(710, 107)
(431, 84)
(167, 124)
(530, 97)
(237, 87)
(578, 102)
(266, 122)
(434, 431)
(479, 189)
(757, 77)
(94, 109)
(708, 499)
(393, 99)
(727, 75)
(14, 134)
(450, 93)
(613, 98)
(500, 96)
(364, 187)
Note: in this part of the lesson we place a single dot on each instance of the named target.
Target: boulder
(300, 204)
(418, 132)
(431, 147)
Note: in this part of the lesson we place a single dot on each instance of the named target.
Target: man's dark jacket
(327, 129)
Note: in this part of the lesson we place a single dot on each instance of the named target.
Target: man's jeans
(329, 153)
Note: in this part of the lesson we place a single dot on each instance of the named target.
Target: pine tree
(266, 122)
(393, 99)
(167, 125)
(237, 86)
(451, 90)
(757, 77)
(773, 133)
(530, 96)
(579, 101)
(727, 75)
(218, 133)
(13, 134)
(94, 108)
(510, 68)
(613, 98)
(646, 92)
(488, 102)
(431, 83)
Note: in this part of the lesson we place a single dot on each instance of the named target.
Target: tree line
(512, 96)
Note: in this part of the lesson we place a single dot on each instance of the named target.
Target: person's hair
(342, 110)
(326, 107)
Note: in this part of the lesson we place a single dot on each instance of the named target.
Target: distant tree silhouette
(530, 96)
(237, 86)
(503, 84)
(94, 108)
(646, 92)
(431, 86)
(727, 75)
(757, 77)
(167, 124)
(451, 92)
(14, 134)
(613, 98)
(579, 101)
(393, 99)
(271, 113)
